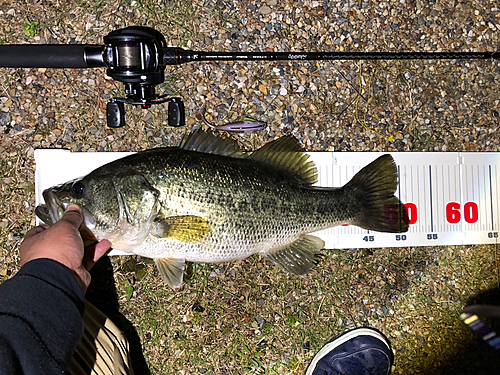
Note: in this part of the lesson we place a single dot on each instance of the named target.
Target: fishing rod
(137, 56)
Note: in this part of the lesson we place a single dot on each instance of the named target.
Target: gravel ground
(412, 294)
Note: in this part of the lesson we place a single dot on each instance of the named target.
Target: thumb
(73, 215)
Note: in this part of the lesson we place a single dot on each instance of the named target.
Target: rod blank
(298, 56)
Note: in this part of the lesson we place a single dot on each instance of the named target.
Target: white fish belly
(225, 247)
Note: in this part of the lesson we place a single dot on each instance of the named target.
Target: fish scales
(208, 202)
(251, 207)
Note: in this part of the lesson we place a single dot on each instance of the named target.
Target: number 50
(393, 211)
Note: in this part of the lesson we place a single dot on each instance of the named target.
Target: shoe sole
(342, 339)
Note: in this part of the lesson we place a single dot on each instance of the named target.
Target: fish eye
(78, 188)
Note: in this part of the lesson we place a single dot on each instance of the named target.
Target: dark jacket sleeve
(40, 319)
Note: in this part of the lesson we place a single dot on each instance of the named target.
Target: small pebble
(265, 10)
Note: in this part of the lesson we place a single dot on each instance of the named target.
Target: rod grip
(51, 56)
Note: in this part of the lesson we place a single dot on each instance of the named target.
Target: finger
(94, 252)
(88, 256)
(73, 215)
(86, 233)
(101, 249)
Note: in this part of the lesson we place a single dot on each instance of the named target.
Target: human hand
(63, 243)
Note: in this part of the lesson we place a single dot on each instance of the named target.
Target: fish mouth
(52, 210)
(42, 212)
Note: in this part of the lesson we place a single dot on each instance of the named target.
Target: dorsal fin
(209, 143)
(286, 153)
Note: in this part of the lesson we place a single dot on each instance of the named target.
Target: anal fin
(171, 270)
(299, 257)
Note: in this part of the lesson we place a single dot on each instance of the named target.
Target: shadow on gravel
(472, 355)
(102, 294)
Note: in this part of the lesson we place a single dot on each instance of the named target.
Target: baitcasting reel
(135, 56)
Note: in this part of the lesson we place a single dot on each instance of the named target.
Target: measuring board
(451, 198)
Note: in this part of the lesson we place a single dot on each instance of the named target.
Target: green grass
(31, 28)
(294, 319)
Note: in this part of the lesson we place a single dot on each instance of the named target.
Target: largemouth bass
(206, 201)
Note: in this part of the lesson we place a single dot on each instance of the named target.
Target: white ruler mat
(452, 198)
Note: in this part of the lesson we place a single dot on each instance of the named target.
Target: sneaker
(362, 351)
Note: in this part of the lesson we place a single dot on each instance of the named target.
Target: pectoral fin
(171, 270)
(186, 228)
(299, 257)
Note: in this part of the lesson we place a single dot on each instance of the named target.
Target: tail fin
(374, 187)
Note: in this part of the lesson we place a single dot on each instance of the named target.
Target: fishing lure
(246, 125)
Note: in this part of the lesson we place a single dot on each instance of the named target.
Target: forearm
(40, 318)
